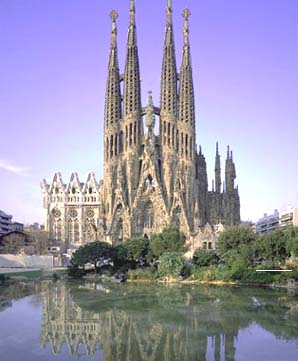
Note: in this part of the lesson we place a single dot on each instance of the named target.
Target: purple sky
(53, 68)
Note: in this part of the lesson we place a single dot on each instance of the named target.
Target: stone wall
(23, 261)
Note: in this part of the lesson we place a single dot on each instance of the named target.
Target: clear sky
(53, 68)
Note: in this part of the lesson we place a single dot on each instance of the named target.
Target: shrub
(137, 249)
(171, 264)
(75, 271)
(170, 240)
(149, 274)
(234, 236)
(203, 258)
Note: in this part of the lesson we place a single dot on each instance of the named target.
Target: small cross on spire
(132, 12)
(186, 14)
(114, 15)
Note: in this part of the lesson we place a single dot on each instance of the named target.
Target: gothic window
(177, 140)
(169, 132)
(186, 145)
(149, 182)
(116, 142)
(70, 231)
(73, 213)
(90, 213)
(111, 146)
(56, 213)
(76, 234)
(173, 136)
(56, 190)
(126, 137)
(57, 234)
(121, 142)
(130, 134)
(182, 144)
(73, 190)
(190, 145)
(148, 215)
(90, 190)
(107, 147)
(135, 133)
(176, 216)
(119, 208)
(119, 230)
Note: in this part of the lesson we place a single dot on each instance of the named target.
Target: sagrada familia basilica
(150, 180)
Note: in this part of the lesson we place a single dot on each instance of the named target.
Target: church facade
(150, 180)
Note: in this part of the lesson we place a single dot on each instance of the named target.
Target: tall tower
(112, 132)
(217, 171)
(202, 188)
(231, 202)
(132, 119)
(230, 172)
(186, 121)
(169, 107)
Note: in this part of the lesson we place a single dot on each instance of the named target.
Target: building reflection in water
(174, 327)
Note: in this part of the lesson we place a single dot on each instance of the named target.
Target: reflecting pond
(92, 321)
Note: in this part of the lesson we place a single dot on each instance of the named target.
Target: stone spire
(230, 172)
(168, 101)
(217, 171)
(132, 87)
(150, 117)
(113, 94)
(186, 93)
(186, 124)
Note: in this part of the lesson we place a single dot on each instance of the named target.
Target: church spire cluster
(150, 180)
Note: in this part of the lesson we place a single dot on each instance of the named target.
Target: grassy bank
(33, 274)
(217, 274)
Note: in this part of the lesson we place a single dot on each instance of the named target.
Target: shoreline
(40, 275)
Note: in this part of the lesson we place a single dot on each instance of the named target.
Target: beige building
(150, 180)
(288, 217)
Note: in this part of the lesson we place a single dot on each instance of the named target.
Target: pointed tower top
(150, 118)
(228, 152)
(169, 12)
(231, 155)
(132, 13)
(114, 16)
(186, 15)
(217, 153)
(200, 150)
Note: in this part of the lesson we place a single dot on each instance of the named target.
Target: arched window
(148, 215)
(119, 230)
(176, 216)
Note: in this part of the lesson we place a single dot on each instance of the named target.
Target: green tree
(96, 253)
(171, 264)
(291, 234)
(170, 240)
(136, 249)
(273, 246)
(234, 236)
(204, 258)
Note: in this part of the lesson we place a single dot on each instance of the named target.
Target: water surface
(92, 321)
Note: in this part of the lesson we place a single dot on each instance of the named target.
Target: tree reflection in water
(154, 322)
